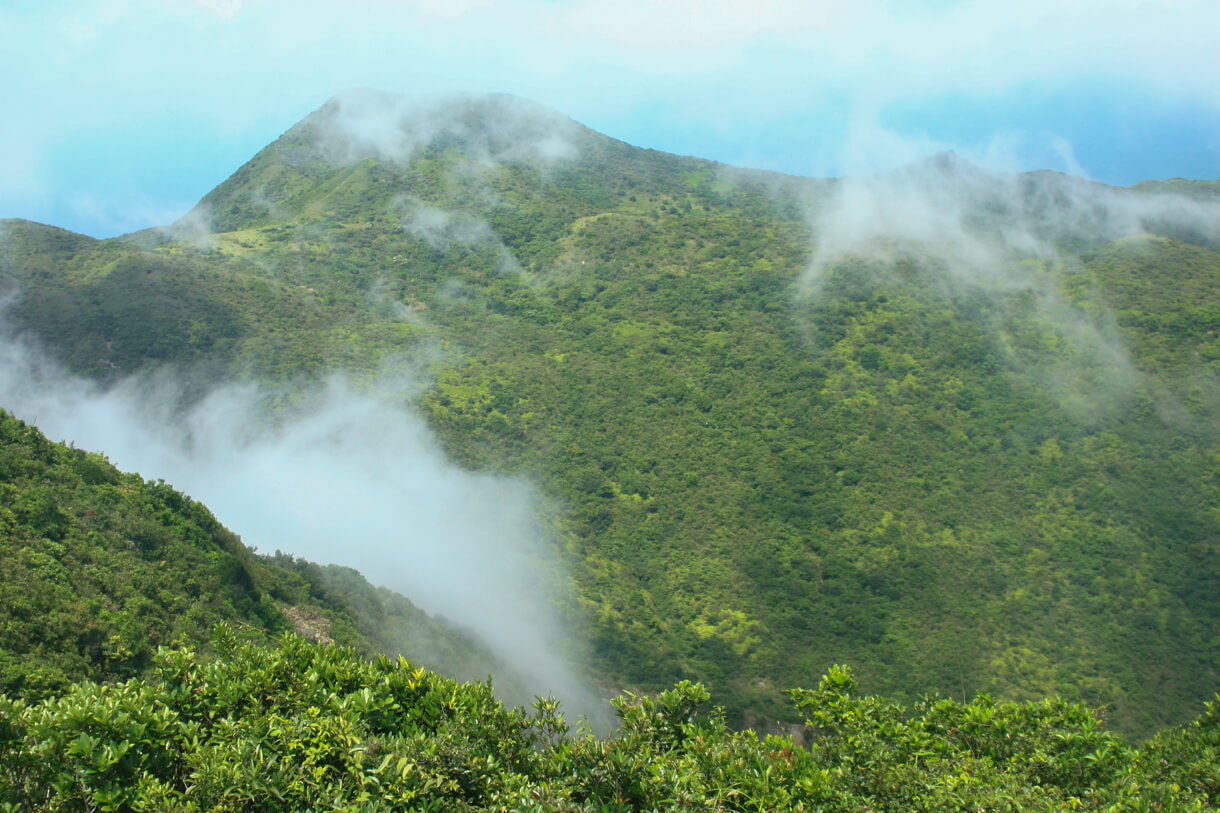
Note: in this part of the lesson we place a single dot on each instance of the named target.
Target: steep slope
(956, 428)
(101, 567)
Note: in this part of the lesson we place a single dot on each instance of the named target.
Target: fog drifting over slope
(974, 232)
(976, 221)
(348, 478)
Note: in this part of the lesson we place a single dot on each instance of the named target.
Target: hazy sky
(121, 114)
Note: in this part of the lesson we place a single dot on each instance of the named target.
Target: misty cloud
(972, 231)
(344, 476)
(976, 221)
(193, 228)
(443, 230)
(497, 128)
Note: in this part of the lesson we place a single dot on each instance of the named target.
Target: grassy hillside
(971, 448)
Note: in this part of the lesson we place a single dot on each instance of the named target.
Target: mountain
(956, 428)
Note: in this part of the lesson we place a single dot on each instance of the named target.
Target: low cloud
(973, 231)
(344, 476)
(441, 229)
(494, 128)
(977, 221)
(444, 231)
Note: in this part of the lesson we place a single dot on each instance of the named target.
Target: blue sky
(121, 114)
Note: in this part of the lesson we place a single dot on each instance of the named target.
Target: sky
(118, 115)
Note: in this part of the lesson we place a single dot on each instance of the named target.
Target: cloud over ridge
(347, 477)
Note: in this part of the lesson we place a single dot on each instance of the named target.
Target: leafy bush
(306, 726)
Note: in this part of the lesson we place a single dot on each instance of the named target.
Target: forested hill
(955, 428)
(101, 567)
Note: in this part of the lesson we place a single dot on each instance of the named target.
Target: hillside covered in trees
(102, 567)
(116, 578)
(955, 428)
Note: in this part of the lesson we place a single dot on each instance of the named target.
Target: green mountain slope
(965, 442)
(102, 567)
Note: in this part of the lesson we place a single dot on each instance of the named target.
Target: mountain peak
(364, 123)
(475, 131)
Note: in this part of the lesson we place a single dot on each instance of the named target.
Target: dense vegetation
(102, 566)
(304, 726)
(955, 474)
